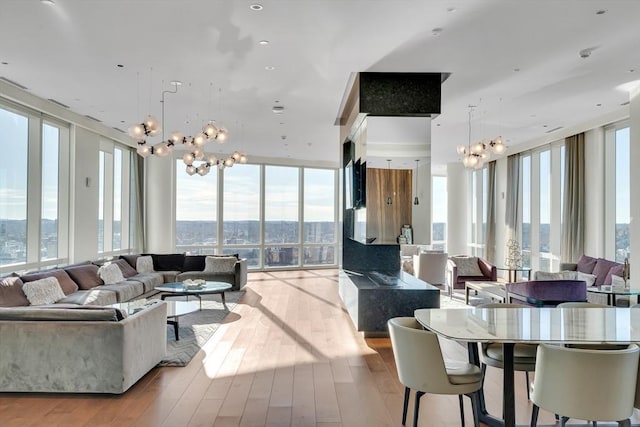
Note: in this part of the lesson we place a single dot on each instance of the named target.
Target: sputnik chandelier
(475, 155)
(195, 145)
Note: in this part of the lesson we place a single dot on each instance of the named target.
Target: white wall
(501, 208)
(421, 214)
(160, 204)
(84, 198)
(456, 209)
(635, 191)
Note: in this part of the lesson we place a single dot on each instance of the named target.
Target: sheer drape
(573, 213)
(513, 214)
(490, 240)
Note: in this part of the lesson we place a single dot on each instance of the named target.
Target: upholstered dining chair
(562, 387)
(421, 367)
(524, 355)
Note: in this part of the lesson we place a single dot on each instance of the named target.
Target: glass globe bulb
(152, 123)
(473, 160)
(235, 156)
(191, 170)
(161, 149)
(200, 139)
(243, 158)
(477, 148)
(136, 132)
(484, 155)
(203, 170)
(210, 130)
(144, 150)
(228, 162)
(222, 135)
(188, 159)
(211, 159)
(199, 154)
(177, 137)
(498, 148)
(461, 149)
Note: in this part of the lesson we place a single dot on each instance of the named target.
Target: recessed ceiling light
(270, 68)
(630, 70)
(49, 2)
(516, 69)
(120, 66)
(601, 12)
(451, 9)
(5, 63)
(598, 105)
(256, 6)
(436, 31)
(263, 42)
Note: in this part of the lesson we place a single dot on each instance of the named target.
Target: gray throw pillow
(220, 264)
(467, 265)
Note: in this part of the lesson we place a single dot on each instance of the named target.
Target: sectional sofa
(80, 344)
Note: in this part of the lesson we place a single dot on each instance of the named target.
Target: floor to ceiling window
(544, 227)
(477, 211)
(274, 216)
(525, 168)
(439, 213)
(618, 193)
(34, 189)
(115, 185)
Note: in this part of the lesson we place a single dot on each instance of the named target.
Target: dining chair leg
(526, 375)
(461, 409)
(534, 415)
(475, 408)
(563, 421)
(407, 391)
(624, 423)
(419, 394)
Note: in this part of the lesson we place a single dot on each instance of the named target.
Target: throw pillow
(589, 278)
(127, 270)
(586, 264)
(602, 269)
(219, 264)
(467, 265)
(144, 264)
(43, 291)
(617, 281)
(616, 270)
(85, 275)
(560, 275)
(11, 294)
(66, 283)
(111, 274)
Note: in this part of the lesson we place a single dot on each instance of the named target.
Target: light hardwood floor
(287, 356)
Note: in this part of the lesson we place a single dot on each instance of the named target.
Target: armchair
(430, 267)
(461, 269)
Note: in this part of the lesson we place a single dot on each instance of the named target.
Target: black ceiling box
(400, 94)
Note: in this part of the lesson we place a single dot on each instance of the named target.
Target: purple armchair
(547, 293)
(457, 275)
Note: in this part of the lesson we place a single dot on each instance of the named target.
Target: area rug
(197, 328)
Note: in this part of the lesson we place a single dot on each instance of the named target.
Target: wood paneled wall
(384, 222)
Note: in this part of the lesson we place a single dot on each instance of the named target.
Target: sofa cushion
(11, 294)
(194, 262)
(127, 270)
(62, 313)
(43, 291)
(560, 275)
(602, 269)
(168, 262)
(125, 291)
(85, 275)
(131, 259)
(467, 265)
(90, 297)
(144, 264)
(149, 280)
(616, 270)
(586, 264)
(66, 283)
(220, 264)
(111, 274)
(589, 279)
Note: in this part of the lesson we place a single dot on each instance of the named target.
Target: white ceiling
(69, 52)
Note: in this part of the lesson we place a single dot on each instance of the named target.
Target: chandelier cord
(175, 86)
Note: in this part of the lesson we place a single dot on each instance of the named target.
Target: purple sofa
(546, 293)
(602, 269)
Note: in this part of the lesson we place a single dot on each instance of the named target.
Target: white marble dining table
(534, 325)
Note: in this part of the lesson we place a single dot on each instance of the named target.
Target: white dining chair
(572, 382)
(421, 367)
